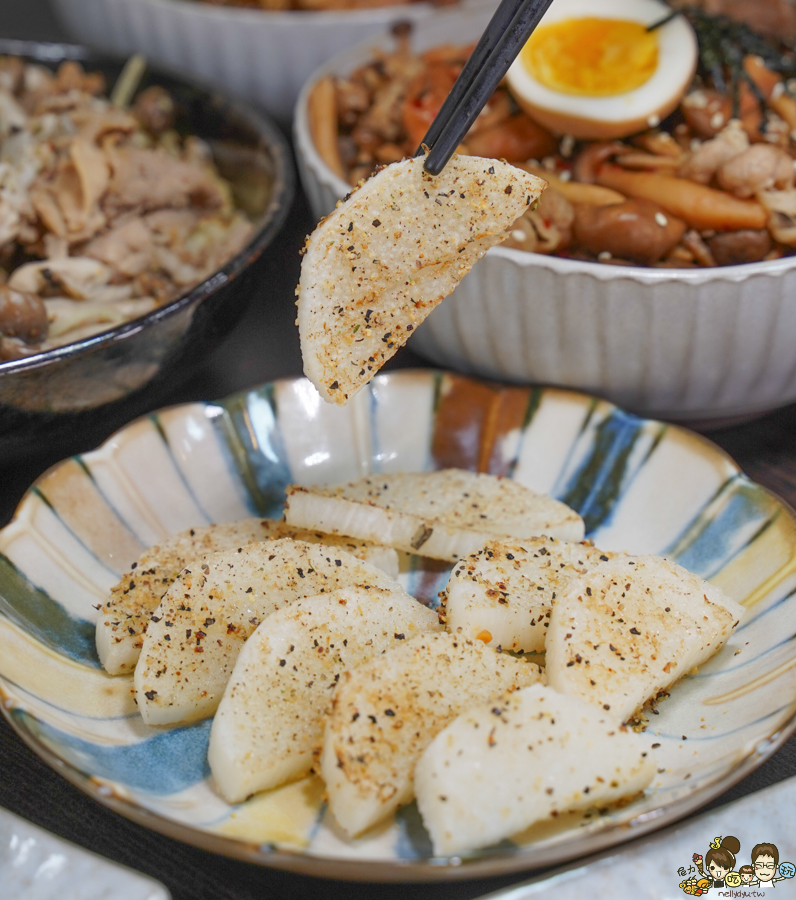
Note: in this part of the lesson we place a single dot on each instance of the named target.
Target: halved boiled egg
(593, 70)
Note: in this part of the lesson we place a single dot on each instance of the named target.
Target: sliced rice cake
(445, 514)
(215, 604)
(386, 711)
(124, 617)
(270, 721)
(630, 628)
(376, 267)
(503, 765)
(503, 594)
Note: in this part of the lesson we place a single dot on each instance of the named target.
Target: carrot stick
(766, 80)
(762, 76)
(701, 207)
(322, 111)
(575, 191)
(648, 161)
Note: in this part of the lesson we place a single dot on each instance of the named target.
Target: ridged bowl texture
(705, 345)
(261, 55)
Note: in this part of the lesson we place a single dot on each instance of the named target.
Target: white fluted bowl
(259, 55)
(697, 344)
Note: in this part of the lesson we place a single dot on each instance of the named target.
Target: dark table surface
(265, 346)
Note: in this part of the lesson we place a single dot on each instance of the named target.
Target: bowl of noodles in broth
(134, 209)
(658, 269)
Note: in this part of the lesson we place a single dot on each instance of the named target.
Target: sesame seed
(696, 100)
(661, 219)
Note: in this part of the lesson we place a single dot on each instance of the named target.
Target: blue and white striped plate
(640, 485)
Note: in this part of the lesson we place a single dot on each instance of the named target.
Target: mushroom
(76, 276)
(22, 315)
(636, 229)
(744, 246)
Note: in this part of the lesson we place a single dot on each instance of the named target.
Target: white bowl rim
(247, 15)
(305, 147)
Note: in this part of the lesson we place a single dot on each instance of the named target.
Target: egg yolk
(591, 57)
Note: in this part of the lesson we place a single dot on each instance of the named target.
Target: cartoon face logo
(768, 869)
(746, 874)
(717, 868)
(720, 859)
(764, 861)
(717, 871)
(765, 867)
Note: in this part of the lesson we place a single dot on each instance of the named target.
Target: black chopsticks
(501, 42)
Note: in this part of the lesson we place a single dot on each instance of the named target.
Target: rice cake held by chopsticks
(445, 514)
(378, 265)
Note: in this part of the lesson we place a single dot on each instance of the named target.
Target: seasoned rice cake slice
(386, 711)
(501, 766)
(376, 267)
(215, 604)
(503, 594)
(446, 514)
(270, 721)
(124, 616)
(630, 628)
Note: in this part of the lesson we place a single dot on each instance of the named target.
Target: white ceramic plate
(37, 865)
(652, 868)
(640, 485)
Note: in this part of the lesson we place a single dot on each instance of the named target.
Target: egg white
(621, 114)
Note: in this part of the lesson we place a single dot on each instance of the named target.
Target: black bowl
(62, 393)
